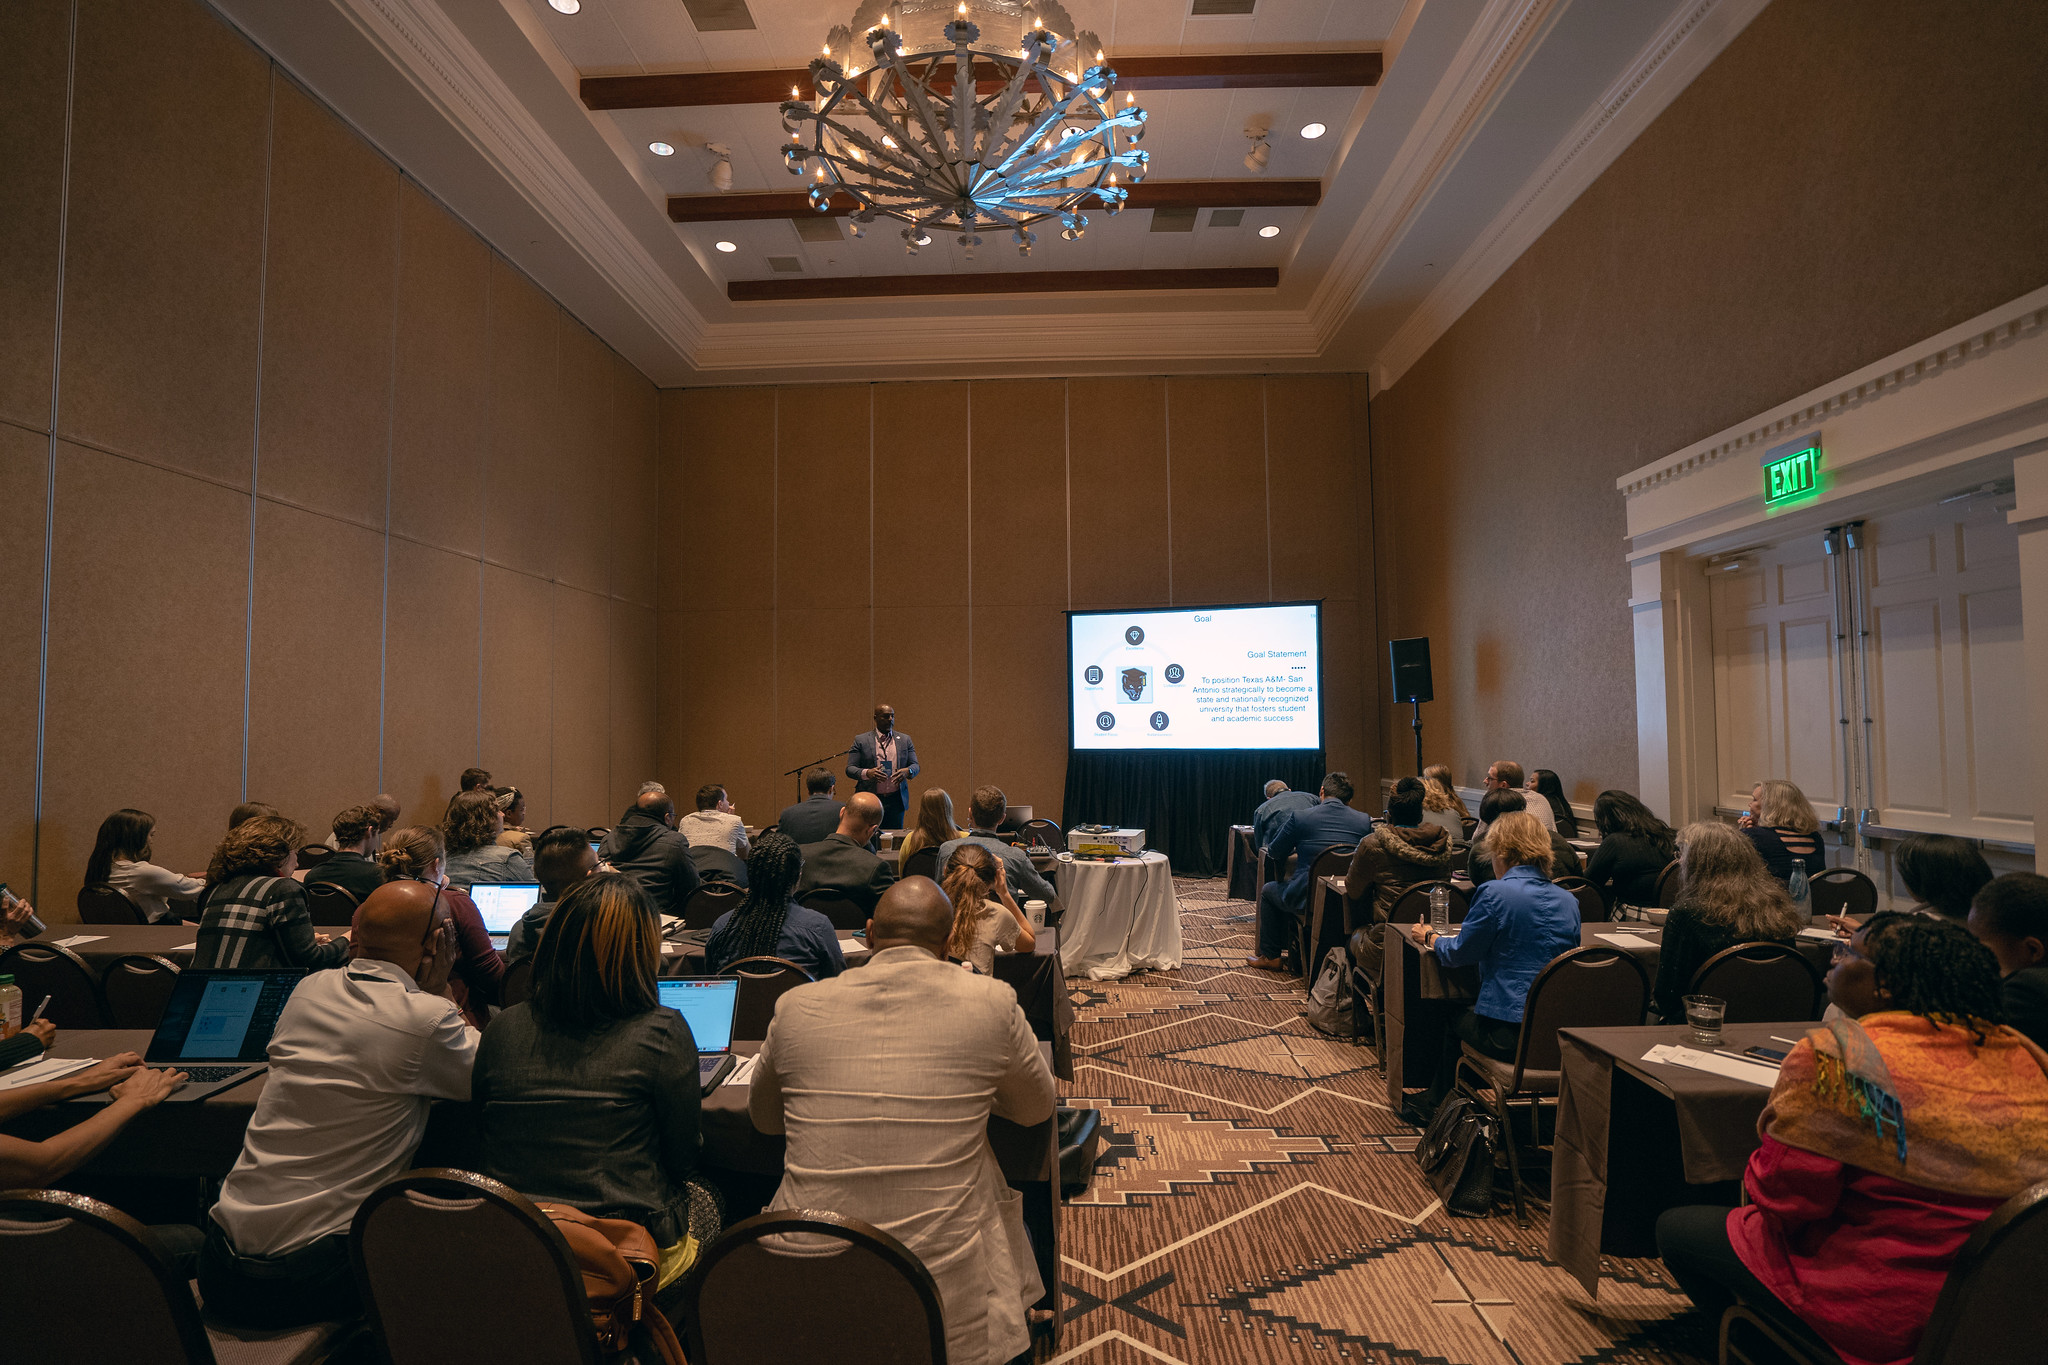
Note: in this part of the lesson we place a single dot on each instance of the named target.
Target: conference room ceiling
(1485, 119)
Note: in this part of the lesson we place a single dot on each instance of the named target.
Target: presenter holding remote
(883, 762)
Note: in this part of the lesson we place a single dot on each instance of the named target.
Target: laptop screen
(502, 904)
(706, 1004)
(221, 1016)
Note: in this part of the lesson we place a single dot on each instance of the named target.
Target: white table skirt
(1121, 917)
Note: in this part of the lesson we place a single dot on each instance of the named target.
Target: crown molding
(1667, 64)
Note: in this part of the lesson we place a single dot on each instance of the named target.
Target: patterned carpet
(1256, 1201)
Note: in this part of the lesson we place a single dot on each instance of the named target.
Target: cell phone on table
(1774, 1055)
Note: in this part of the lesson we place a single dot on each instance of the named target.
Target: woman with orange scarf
(1890, 1135)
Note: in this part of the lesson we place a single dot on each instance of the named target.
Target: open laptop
(217, 1024)
(502, 904)
(706, 1004)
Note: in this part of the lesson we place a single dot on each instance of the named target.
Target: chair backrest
(136, 987)
(1046, 832)
(836, 906)
(1592, 905)
(708, 902)
(1585, 988)
(1331, 862)
(1669, 883)
(716, 863)
(312, 855)
(1987, 1311)
(408, 1234)
(598, 831)
(1842, 891)
(44, 969)
(1763, 983)
(103, 904)
(331, 906)
(763, 980)
(842, 1291)
(923, 863)
(1412, 905)
(87, 1284)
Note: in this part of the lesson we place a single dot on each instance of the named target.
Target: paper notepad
(1822, 935)
(48, 1069)
(76, 940)
(1719, 1063)
(743, 1072)
(185, 947)
(1631, 941)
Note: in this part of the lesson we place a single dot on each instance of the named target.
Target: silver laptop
(706, 1004)
(217, 1024)
(502, 904)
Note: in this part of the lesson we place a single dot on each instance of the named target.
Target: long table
(109, 941)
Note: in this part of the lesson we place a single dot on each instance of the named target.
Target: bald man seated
(360, 1054)
(884, 1080)
(841, 860)
(646, 846)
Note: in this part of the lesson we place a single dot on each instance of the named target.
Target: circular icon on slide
(1104, 721)
(1159, 720)
(1174, 673)
(1093, 675)
(1134, 635)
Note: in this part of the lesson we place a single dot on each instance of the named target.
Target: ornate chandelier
(901, 125)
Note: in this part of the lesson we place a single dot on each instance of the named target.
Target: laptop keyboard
(201, 1075)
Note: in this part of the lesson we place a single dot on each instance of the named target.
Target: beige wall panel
(632, 738)
(1019, 491)
(1020, 706)
(631, 510)
(717, 687)
(581, 709)
(36, 36)
(315, 663)
(1313, 480)
(587, 487)
(718, 498)
(148, 627)
(921, 495)
(438, 430)
(921, 670)
(1117, 501)
(24, 487)
(164, 243)
(525, 425)
(1347, 724)
(822, 697)
(430, 678)
(325, 436)
(1216, 430)
(821, 489)
(518, 645)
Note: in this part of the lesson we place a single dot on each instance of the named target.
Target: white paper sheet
(48, 1069)
(75, 940)
(1719, 1063)
(743, 1072)
(1630, 941)
(185, 947)
(1822, 935)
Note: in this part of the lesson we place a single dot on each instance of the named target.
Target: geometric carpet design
(1256, 1201)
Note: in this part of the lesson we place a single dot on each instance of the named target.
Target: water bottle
(1802, 892)
(1440, 908)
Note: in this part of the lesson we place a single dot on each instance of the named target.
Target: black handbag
(1457, 1152)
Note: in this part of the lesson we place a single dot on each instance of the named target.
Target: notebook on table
(216, 1026)
(502, 904)
(706, 1004)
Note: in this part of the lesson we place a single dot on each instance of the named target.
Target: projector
(1102, 838)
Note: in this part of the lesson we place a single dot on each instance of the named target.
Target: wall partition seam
(1266, 473)
(390, 460)
(1166, 421)
(256, 425)
(483, 498)
(969, 447)
(873, 699)
(1859, 591)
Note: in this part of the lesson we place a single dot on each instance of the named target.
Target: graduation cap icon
(1134, 683)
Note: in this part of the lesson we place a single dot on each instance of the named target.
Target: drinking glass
(1704, 1013)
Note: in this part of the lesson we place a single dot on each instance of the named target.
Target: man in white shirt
(359, 1056)
(1506, 775)
(715, 822)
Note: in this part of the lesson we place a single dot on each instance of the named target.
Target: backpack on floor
(1329, 999)
(1456, 1153)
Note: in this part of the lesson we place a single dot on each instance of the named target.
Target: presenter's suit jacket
(1308, 834)
(865, 747)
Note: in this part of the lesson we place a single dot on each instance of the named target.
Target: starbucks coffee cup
(1035, 912)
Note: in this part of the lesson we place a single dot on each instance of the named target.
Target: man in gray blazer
(884, 761)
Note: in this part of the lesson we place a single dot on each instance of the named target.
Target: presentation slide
(223, 1018)
(1211, 678)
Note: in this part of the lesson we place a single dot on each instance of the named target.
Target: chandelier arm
(845, 87)
(875, 175)
(920, 105)
(964, 102)
(1032, 160)
(995, 144)
(881, 153)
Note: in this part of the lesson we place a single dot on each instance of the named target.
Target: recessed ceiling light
(566, 6)
(661, 149)
(1313, 130)
(1269, 231)
(726, 246)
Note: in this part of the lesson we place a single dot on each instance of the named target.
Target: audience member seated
(473, 780)
(1891, 1133)
(386, 806)
(1307, 834)
(563, 859)
(1635, 846)
(645, 846)
(934, 829)
(252, 914)
(478, 979)
(588, 1090)
(1942, 873)
(352, 866)
(884, 1080)
(1781, 823)
(1506, 775)
(1564, 859)
(2010, 916)
(358, 1057)
(768, 922)
(1516, 924)
(26, 1165)
(475, 857)
(986, 918)
(1729, 897)
(715, 823)
(1280, 803)
(817, 815)
(250, 810)
(1547, 785)
(1441, 804)
(1395, 856)
(121, 859)
(515, 835)
(841, 861)
(984, 815)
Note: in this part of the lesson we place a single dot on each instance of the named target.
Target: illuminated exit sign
(1791, 471)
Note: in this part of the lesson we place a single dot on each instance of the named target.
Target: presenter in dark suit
(883, 762)
(1307, 833)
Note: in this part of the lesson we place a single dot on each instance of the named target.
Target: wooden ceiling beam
(1152, 194)
(1014, 282)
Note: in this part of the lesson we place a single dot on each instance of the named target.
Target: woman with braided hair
(768, 923)
(1891, 1134)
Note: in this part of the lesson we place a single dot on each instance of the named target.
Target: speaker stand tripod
(1417, 723)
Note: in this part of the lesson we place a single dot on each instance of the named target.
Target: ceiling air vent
(785, 265)
(1226, 217)
(818, 227)
(722, 16)
(1204, 9)
(1173, 220)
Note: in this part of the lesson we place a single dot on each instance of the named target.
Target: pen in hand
(39, 1010)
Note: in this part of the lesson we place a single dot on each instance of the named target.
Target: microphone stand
(800, 769)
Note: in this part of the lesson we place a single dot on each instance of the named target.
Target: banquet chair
(1410, 907)
(102, 904)
(88, 1285)
(1046, 832)
(866, 1301)
(1842, 891)
(330, 906)
(1763, 983)
(836, 906)
(1592, 904)
(135, 988)
(1331, 862)
(408, 1234)
(312, 855)
(708, 902)
(763, 980)
(1669, 883)
(923, 863)
(42, 969)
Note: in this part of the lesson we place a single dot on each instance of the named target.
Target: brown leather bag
(621, 1266)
